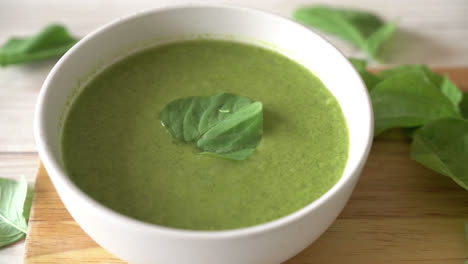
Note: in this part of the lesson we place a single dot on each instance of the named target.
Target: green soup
(116, 150)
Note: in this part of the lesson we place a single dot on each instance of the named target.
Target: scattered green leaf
(408, 99)
(14, 210)
(52, 41)
(464, 105)
(387, 73)
(360, 65)
(378, 38)
(223, 124)
(442, 82)
(411, 131)
(466, 230)
(442, 145)
(370, 80)
(449, 89)
(364, 29)
(430, 109)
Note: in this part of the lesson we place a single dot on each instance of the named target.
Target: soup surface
(116, 150)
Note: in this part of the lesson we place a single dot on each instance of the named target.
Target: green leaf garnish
(364, 29)
(466, 230)
(360, 65)
(405, 96)
(14, 210)
(369, 79)
(442, 145)
(449, 89)
(430, 108)
(224, 125)
(52, 41)
(410, 131)
(464, 105)
(408, 99)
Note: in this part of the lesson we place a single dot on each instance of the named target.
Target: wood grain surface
(400, 212)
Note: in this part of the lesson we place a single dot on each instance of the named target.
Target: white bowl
(139, 242)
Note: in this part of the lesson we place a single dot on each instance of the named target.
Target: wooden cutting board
(400, 212)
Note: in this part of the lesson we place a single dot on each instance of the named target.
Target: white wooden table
(433, 32)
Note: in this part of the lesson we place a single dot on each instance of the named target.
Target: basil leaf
(52, 41)
(464, 105)
(466, 230)
(387, 73)
(411, 96)
(223, 124)
(365, 30)
(449, 89)
(14, 210)
(227, 137)
(411, 131)
(378, 38)
(370, 80)
(360, 65)
(442, 145)
(408, 99)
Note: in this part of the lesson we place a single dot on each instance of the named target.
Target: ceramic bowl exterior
(138, 242)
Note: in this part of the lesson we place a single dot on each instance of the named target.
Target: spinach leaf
(223, 124)
(14, 210)
(52, 41)
(464, 105)
(370, 80)
(408, 99)
(359, 64)
(405, 68)
(449, 89)
(442, 145)
(466, 230)
(430, 108)
(363, 29)
(378, 38)
(411, 131)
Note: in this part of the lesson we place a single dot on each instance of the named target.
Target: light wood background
(433, 32)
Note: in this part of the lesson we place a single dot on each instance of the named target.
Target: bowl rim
(59, 176)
